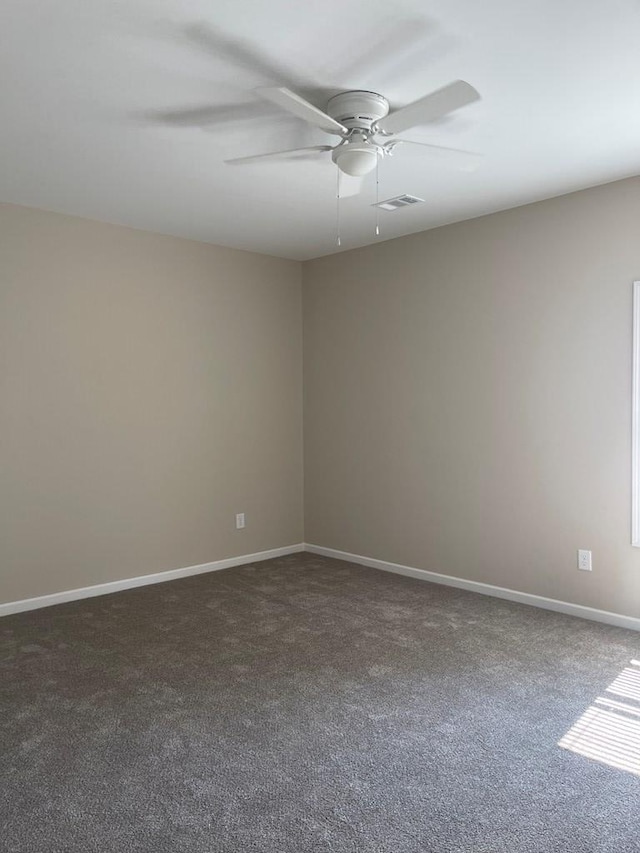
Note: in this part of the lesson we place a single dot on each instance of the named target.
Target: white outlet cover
(584, 560)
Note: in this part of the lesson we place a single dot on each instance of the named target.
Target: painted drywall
(150, 388)
(467, 398)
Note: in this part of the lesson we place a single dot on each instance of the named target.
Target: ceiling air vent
(398, 202)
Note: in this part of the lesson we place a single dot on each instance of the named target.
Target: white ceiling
(84, 85)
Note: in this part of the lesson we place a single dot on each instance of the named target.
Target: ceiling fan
(367, 128)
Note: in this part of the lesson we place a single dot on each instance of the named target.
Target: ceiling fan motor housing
(358, 110)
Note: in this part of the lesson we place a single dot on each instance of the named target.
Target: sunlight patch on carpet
(609, 730)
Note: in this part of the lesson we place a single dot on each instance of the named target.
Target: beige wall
(467, 398)
(150, 388)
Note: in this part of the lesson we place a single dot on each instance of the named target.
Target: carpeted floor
(306, 705)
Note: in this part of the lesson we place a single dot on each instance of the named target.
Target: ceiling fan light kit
(356, 159)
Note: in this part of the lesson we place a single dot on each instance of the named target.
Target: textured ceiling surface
(125, 111)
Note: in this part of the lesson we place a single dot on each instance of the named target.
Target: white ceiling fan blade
(276, 154)
(429, 108)
(288, 100)
(349, 185)
(457, 158)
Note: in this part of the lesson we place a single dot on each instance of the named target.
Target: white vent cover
(398, 202)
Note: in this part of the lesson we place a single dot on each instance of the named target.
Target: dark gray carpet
(307, 705)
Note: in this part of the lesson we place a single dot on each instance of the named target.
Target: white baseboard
(579, 610)
(583, 612)
(143, 580)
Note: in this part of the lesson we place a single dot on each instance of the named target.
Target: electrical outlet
(584, 561)
(239, 520)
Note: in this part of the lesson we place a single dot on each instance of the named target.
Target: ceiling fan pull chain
(377, 197)
(338, 241)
